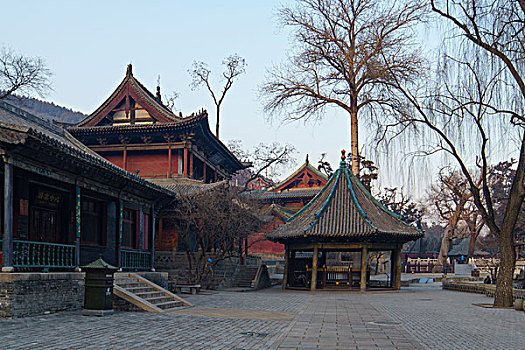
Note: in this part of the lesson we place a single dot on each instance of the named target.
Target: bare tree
(472, 218)
(451, 197)
(268, 159)
(479, 97)
(325, 166)
(400, 204)
(346, 51)
(211, 226)
(169, 100)
(235, 65)
(22, 74)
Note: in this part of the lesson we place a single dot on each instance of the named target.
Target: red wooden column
(191, 165)
(204, 171)
(125, 159)
(169, 161)
(185, 163)
(176, 163)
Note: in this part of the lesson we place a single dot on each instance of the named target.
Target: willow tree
(475, 103)
(345, 52)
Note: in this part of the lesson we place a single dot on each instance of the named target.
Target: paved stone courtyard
(418, 317)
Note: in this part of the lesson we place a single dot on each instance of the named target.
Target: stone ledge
(40, 276)
(479, 288)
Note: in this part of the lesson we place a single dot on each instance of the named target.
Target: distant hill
(46, 110)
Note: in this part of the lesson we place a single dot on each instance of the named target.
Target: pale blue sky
(88, 44)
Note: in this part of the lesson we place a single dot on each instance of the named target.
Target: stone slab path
(419, 317)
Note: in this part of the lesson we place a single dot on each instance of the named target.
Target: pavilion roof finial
(307, 161)
(343, 159)
(129, 70)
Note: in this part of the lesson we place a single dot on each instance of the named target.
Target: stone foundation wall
(31, 294)
(220, 276)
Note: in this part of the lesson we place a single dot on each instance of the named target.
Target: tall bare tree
(479, 97)
(235, 65)
(345, 52)
(22, 74)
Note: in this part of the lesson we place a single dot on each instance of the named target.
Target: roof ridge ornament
(158, 95)
(129, 70)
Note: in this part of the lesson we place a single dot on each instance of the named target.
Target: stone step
(158, 300)
(138, 290)
(129, 285)
(169, 304)
(146, 294)
(153, 294)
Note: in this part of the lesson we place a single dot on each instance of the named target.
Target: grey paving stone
(322, 320)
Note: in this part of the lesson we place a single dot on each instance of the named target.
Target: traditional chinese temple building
(134, 130)
(343, 217)
(64, 204)
(63, 207)
(283, 200)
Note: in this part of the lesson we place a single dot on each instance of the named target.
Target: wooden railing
(40, 254)
(338, 274)
(135, 260)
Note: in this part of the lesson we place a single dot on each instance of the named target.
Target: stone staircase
(245, 276)
(145, 294)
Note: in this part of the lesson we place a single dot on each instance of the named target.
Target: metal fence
(135, 260)
(40, 254)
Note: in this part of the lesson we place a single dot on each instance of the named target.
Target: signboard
(47, 198)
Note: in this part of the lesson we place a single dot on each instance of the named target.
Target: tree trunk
(217, 124)
(354, 135)
(472, 245)
(445, 246)
(504, 283)
(506, 235)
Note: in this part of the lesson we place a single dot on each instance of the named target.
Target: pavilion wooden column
(7, 248)
(204, 171)
(364, 263)
(396, 262)
(313, 285)
(185, 163)
(392, 268)
(286, 266)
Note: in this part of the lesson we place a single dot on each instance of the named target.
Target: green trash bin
(98, 288)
